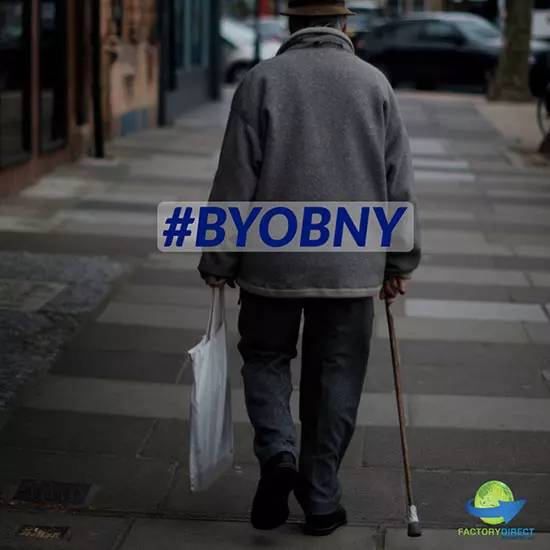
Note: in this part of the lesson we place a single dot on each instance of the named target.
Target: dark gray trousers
(335, 350)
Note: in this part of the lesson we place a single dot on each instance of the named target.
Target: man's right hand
(218, 282)
(392, 288)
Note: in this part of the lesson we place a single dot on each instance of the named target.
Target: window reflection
(53, 74)
(15, 78)
(197, 34)
(179, 24)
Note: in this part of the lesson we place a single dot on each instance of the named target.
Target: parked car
(435, 49)
(239, 49)
(271, 28)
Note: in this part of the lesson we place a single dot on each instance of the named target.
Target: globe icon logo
(490, 495)
(494, 503)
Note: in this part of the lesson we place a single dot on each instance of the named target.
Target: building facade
(190, 61)
(157, 60)
(44, 87)
(475, 6)
(130, 67)
(46, 49)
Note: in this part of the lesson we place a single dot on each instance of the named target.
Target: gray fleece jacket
(315, 123)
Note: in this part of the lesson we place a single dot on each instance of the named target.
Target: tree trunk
(512, 77)
(545, 146)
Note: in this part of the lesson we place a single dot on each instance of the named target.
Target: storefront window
(197, 33)
(15, 79)
(179, 25)
(53, 76)
(81, 60)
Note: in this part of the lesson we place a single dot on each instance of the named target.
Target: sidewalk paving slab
(204, 535)
(448, 539)
(145, 400)
(370, 496)
(457, 291)
(92, 434)
(466, 450)
(493, 380)
(173, 295)
(120, 365)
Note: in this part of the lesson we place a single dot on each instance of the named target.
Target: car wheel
(237, 73)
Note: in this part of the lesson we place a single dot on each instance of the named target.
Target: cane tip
(414, 530)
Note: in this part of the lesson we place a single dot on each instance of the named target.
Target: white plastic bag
(211, 426)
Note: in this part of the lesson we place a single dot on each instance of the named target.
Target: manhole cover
(51, 492)
(27, 295)
(42, 532)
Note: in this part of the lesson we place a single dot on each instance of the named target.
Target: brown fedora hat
(312, 8)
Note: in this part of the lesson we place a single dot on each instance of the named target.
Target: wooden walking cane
(413, 524)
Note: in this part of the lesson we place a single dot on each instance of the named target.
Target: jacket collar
(307, 38)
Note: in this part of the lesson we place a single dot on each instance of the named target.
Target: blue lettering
(243, 226)
(321, 226)
(344, 219)
(292, 227)
(388, 227)
(204, 226)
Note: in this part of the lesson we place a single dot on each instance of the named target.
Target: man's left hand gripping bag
(211, 427)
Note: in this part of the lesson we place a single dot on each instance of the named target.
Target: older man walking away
(315, 123)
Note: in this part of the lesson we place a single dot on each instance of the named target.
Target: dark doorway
(81, 60)
(53, 74)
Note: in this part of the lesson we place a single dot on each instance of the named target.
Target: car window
(439, 31)
(228, 44)
(381, 32)
(479, 29)
(236, 32)
(406, 32)
(366, 19)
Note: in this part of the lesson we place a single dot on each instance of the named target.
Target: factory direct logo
(494, 504)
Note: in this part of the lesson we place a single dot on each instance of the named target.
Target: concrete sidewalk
(103, 429)
(518, 125)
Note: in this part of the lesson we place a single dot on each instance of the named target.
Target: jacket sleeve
(235, 181)
(399, 180)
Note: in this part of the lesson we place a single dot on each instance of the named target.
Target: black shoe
(322, 525)
(270, 506)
